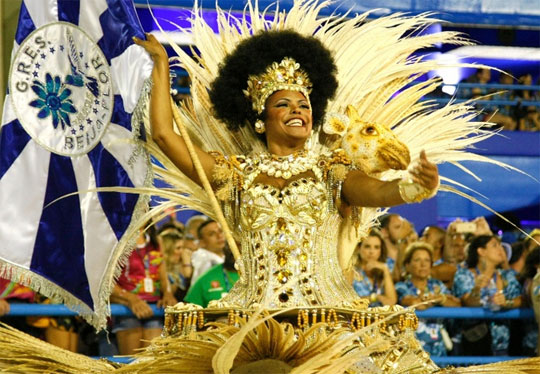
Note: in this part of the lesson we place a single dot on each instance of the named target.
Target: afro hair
(253, 55)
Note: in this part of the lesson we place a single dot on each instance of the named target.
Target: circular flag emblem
(61, 89)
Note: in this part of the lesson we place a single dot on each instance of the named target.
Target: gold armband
(412, 192)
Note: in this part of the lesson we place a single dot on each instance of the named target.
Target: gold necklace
(286, 166)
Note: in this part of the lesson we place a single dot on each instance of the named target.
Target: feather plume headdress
(376, 73)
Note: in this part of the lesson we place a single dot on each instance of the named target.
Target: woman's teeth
(294, 123)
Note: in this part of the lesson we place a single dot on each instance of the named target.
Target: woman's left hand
(425, 173)
(152, 46)
(167, 300)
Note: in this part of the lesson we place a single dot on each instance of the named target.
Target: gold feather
(22, 353)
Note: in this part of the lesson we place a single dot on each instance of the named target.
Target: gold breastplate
(289, 257)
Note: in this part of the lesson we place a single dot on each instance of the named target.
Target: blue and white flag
(68, 125)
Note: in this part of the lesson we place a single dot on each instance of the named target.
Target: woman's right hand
(152, 46)
(139, 307)
(377, 269)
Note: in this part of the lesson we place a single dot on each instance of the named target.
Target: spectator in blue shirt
(373, 277)
(482, 283)
(422, 290)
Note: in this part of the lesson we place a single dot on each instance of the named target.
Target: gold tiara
(286, 75)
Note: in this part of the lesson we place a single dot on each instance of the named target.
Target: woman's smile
(288, 119)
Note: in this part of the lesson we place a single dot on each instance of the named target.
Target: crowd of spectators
(520, 116)
(464, 264)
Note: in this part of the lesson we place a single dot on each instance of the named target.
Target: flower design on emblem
(53, 100)
(62, 89)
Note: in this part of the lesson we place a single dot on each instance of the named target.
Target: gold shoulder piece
(225, 175)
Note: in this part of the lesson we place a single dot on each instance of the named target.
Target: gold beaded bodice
(288, 238)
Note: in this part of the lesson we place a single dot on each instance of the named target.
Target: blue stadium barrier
(494, 102)
(475, 313)
(496, 86)
(471, 360)
(435, 312)
(440, 361)
(62, 310)
(520, 13)
(493, 88)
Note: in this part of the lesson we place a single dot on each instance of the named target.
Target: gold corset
(289, 256)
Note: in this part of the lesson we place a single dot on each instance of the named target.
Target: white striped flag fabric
(70, 125)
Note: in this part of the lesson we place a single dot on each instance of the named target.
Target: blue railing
(474, 313)
(435, 312)
(440, 361)
(494, 102)
(471, 360)
(497, 86)
(493, 88)
(62, 310)
(444, 100)
(465, 12)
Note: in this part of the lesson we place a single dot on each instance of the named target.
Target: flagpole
(205, 183)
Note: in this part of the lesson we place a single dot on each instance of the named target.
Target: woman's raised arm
(161, 117)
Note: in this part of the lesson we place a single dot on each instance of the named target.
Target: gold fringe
(261, 340)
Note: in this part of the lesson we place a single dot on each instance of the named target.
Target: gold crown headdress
(287, 75)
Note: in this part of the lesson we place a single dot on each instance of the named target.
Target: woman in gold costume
(298, 186)
(291, 199)
(288, 196)
(284, 204)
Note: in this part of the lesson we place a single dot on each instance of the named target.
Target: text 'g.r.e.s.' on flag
(72, 125)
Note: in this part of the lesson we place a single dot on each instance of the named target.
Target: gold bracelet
(412, 192)
(509, 304)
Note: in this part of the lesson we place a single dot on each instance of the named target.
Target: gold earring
(259, 127)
